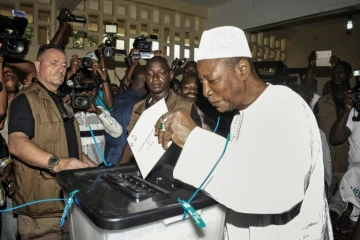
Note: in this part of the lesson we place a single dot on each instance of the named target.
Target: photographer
(126, 80)
(96, 121)
(347, 128)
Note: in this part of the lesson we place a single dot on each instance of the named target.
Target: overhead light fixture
(349, 24)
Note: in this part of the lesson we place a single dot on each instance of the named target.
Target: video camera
(109, 50)
(69, 17)
(11, 32)
(355, 96)
(78, 101)
(143, 49)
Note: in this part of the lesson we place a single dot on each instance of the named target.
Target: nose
(207, 92)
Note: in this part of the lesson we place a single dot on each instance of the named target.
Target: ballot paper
(142, 140)
(323, 58)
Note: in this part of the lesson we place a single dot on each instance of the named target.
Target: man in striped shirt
(98, 120)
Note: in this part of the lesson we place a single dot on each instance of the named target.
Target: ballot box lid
(116, 198)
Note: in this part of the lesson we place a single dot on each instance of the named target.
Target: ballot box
(117, 203)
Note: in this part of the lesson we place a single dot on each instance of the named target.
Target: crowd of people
(284, 142)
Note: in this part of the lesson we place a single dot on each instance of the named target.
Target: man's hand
(75, 64)
(95, 109)
(312, 59)
(347, 101)
(9, 173)
(63, 14)
(67, 99)
(96, 68)
(174, 126)
(69, 163)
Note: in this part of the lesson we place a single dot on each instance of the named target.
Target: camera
(11, 32)
(78, 100)
(69, 17)
(143, 49)
(177, 63)
(355, 96)
(86, 62)
(109, 50)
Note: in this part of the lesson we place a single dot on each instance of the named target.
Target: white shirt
(354, 139)
(326, 158)
(104, 121)
(314, 100)
(272, 163)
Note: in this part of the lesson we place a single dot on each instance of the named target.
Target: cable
(217, 124)
(212, 170)
(34, 202)
(98, 148)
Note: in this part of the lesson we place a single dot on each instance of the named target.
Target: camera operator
(347, 128)
(126, 80)
(45, 140)
(100, 122)
(11, 88)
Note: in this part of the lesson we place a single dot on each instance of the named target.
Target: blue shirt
(99, 101)
(122, 111)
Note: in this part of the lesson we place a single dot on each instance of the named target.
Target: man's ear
(37, 66)
(242, 69)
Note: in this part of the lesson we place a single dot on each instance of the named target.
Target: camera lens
(12, 45)
(80, 101)
(87, 62)
(108, 51)
(355, 97)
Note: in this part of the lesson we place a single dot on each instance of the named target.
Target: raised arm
(57, 39)
(339, 132)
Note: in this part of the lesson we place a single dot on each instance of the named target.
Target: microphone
(70, 83)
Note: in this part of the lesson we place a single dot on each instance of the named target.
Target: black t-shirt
(22, 120)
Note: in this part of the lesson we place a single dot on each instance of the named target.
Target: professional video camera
(11, 32)
(355, 96)
(78, 100)
(109, 50)
(143, 49)
(69, 17)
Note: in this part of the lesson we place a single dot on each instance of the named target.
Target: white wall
(253, 13)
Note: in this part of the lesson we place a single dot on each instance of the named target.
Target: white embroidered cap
(223, 42)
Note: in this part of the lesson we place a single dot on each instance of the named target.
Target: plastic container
(116, 203)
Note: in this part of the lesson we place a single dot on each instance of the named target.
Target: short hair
(160, 59)
(302, 91)
(347, 67)
(97, 85)
(138, 70)
(231, 62)
(190, 75)
(45, 47)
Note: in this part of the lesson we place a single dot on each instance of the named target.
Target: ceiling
(205, 3)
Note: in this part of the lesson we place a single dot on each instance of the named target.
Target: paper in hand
(142, 140)
(323, 58)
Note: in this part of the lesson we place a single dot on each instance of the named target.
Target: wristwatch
(53, 162)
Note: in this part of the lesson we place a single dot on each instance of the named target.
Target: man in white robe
(271, 177)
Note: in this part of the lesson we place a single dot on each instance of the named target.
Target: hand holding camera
(96, 68)
(348, 102)
(65, 15)
(75, 64)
